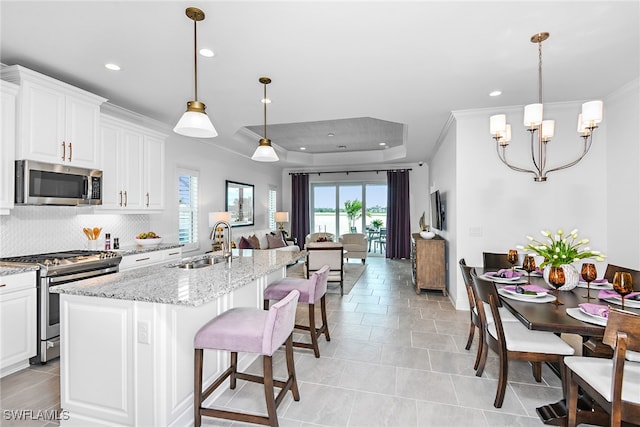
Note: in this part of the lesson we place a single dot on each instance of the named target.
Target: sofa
(263, 240)
(355, 244)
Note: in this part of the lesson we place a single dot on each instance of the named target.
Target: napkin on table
(504, 273)
(531, 288)
(606, 293)
(603, 280)
(595, 309)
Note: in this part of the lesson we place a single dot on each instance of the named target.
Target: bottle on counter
(107, 242)
(116, 243)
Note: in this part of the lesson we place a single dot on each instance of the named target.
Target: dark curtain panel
(300, 224)
(398, 218)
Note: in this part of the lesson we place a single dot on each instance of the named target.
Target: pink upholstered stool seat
(311, 290)
(248, 330)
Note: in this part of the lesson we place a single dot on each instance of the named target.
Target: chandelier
(265, 152)
(541, 131)
(195, 122)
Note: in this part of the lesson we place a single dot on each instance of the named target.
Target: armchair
(355, 245)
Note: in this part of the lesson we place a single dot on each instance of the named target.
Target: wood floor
(395, 359)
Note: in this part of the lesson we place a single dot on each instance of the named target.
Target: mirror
(239, 203)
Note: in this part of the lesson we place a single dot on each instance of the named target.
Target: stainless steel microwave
(40, 183)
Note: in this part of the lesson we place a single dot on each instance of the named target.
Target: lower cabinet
(428, 263)
(145, 259)
(17, 321)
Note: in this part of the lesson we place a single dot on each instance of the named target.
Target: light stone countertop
(6, 270)
(168, 284)
(137, 249)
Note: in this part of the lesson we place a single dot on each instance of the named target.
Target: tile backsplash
(41, 229)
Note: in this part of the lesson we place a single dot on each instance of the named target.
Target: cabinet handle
(143, 259)
(126, 198)
(64, 150)
(148, 199)
(2, 285)
(70, 151)
(120, 198)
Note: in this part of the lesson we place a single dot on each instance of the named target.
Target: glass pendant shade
(265, 153)
(592, 112)
(497, 123)
(196, 125)
(548, 128)
(532, 115)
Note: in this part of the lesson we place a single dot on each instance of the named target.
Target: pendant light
(195, 122)
(265, 152)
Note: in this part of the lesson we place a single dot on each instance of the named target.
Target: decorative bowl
(149, 242)
(427, 235)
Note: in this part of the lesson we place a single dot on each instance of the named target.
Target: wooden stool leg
(197, 387)
(312, 330)
(483, 355)
(291, 368)
(472, 331)
(234, 370)
(269, 395)
(572, 401)
(266, 304)
(536, 368)
(323, 310)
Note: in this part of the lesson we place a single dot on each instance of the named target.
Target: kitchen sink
(200, 263)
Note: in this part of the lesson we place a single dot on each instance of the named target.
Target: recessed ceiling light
(303, 148)
(207, 52)
(495, 93)
(265, 101)
(382, 143)
(330, 134)
(112, 67)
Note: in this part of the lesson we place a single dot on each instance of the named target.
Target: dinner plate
(520, 297)
(513, 280)
(578, 314)
(590, 314)
(627, 302)
(536, 295)
(533, 273)
(606, 285)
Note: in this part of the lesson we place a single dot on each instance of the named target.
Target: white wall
(215, 165)
(496, 208)
(622, 113)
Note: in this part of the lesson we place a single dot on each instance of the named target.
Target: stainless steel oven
(56, 269)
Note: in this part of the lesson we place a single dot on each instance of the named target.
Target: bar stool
(250, 330)
(311, 290)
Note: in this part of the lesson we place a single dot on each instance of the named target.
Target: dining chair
(612, 269)
(495, 260)
(380, 241)
(474, 318)
(613, 383)
(331, 255)
(512, 340)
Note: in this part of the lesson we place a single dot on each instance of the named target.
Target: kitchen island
(127, 338)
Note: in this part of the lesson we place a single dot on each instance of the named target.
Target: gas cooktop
(65, 260)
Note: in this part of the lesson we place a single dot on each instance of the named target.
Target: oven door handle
(82, 275)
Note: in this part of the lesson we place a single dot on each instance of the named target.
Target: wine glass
(529, 265)
(556, 279)
(622, 284)
(512, 257)
(589, 274)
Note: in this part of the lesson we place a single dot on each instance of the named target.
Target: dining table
(544, 315)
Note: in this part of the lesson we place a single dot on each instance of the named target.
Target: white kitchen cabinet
(57, 122)
(17, 321)
(145, 259)
(7, 144)
(132, 167)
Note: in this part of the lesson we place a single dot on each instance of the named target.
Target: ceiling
(365, 71)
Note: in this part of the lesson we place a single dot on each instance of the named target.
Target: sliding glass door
(348, 208)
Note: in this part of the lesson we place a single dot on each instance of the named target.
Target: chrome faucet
(226, 249)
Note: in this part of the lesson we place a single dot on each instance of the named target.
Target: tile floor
(395, 359)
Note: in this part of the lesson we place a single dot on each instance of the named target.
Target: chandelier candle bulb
(592, 112)
(548, 127)
(497, 123)
(532, 115)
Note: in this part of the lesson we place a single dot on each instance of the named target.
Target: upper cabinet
(56, 122)
(132, 167)
(7, 144)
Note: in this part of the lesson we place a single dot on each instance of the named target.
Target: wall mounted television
(436, 211)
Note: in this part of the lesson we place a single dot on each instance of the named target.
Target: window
(343, 208)
(188, 209)
(272, 207)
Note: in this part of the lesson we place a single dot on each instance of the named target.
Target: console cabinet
(57, 123)
(428, 263)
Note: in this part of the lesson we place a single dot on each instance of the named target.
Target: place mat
(576, 313)
(518, 297)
